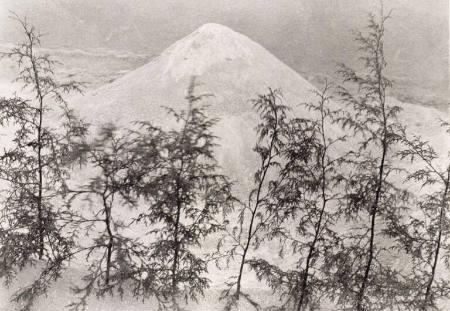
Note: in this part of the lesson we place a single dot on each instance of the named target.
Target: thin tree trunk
(176, 233)
(179, 203)
(361, 293)
(374, 209)
(241, 267)
(252, 220)
(309, 258)
(40, 184)
(360, 297)
(41, 222)
(176, 250)
(110, 244)
(438, 242)
(322, 211)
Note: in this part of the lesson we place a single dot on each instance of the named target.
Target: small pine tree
(426, 233)
(185, 197)
(35, 166)
(307, 186)
(363, 277)
(116, 262)
(253, 216)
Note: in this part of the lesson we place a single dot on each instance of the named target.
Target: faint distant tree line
(331, 191)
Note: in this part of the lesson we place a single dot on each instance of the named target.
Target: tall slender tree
(116, 261)
(185, 198)
(426, 234)
(253, 215)
(36, 162)
(304, 199)
(372, 202)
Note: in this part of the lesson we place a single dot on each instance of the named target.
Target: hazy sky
(309, 35)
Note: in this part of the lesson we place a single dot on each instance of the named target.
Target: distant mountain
(309, 35)
(227, 65)
(233, 69)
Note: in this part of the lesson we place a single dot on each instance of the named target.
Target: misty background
(98, 41)
(311, 36)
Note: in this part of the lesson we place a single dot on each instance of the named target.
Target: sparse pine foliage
(254, 217)
(117, 261)
(35, 165)
(185, 198)
(152, 198)
(365, 276)
(304, 207)
(426, 234)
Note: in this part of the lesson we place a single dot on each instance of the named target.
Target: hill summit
(233, 69)
(209, 45)
(227, 64)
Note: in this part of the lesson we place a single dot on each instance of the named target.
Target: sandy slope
(227, 65)
(233, 68)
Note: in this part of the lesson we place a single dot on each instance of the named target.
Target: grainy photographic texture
(224, 155)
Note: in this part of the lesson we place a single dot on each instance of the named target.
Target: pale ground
(234, 69)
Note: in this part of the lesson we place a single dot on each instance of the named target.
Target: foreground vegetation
(338, 204)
